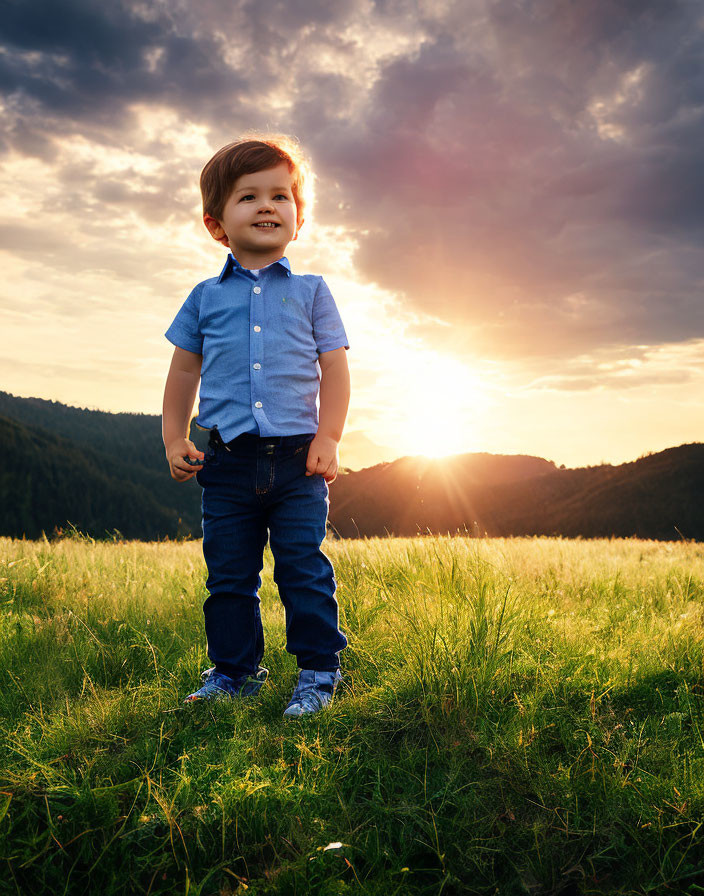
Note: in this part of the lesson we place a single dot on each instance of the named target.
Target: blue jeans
(254, 488)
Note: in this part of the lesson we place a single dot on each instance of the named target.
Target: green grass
(517, 716)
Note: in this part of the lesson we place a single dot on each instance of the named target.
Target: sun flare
(440, 408)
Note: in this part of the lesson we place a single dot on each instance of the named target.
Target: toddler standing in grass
(265, 344)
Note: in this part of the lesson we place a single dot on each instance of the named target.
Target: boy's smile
(259, 219)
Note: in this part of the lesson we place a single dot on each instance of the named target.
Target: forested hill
(658, 496)
(96, 470)
(103, 472)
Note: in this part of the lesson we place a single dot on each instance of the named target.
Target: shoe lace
(217, 681)
(309, 694)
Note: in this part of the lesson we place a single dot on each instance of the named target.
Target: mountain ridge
(105, 472)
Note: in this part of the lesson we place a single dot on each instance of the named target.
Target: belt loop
(219, 440)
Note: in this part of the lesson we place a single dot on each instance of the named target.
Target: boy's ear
(298, 227)
(215, 230)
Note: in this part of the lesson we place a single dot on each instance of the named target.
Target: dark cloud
(547, 193)
(83, 60)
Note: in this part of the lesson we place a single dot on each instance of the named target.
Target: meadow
(517, 716)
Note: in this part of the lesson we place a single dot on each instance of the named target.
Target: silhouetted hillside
(104, 471)
(50, 481)
(100, 471)
(652, 497)
(415, 494)
(126, 437)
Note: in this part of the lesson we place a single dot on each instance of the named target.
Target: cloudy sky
(509, 206)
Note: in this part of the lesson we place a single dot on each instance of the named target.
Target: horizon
(515, 249)
(432, 459)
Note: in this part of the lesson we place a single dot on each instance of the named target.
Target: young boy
(265, 343)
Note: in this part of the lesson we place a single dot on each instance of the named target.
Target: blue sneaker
(217, 686)
(313, 692)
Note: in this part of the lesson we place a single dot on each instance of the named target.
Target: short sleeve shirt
(260, 337)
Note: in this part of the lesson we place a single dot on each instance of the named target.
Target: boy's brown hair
(247, 156)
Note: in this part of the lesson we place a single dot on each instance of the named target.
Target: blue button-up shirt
(260, 337)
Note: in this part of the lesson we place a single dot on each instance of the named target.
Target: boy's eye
(281, 196)
(248, 196)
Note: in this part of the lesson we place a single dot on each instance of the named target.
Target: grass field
(517, 716)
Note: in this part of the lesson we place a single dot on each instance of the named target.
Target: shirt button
(257, 366)
(257, 404)
(257, 289)
(257, 329)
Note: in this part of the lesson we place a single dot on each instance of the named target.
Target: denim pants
(256, 488)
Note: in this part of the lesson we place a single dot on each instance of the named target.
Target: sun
(439, 411)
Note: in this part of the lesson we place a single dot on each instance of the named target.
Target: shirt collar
(233, 266)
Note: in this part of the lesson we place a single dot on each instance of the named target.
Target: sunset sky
(509, 206)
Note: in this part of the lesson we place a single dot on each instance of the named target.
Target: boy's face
(259, 218)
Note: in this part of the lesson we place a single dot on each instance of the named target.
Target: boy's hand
(179, 449)
(322, 458)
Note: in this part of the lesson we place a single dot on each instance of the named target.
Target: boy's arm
(334, 401)
(179, 398)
